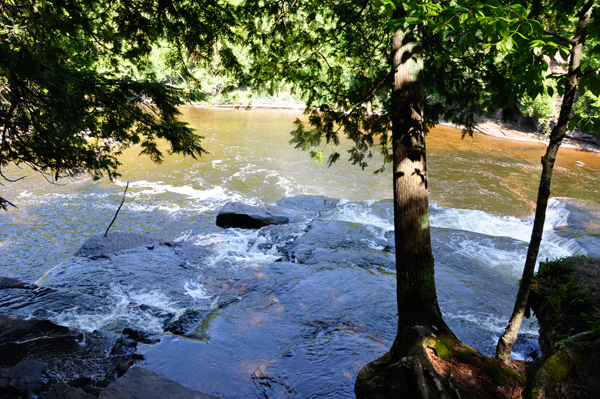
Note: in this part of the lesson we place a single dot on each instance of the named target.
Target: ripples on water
(237, 322)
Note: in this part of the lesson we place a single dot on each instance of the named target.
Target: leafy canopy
(478, 56)
(69, 102)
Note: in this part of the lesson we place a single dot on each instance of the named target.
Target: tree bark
(416, 294)
(506, 342)
(406, 371)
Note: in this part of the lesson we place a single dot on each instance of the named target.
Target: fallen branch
(115, 218)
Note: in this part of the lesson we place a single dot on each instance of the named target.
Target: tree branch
(115, 218)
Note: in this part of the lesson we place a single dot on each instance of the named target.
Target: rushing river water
(236, 321)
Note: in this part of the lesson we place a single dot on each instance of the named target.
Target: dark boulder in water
(234, 214)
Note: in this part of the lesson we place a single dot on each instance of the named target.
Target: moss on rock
(565, 298)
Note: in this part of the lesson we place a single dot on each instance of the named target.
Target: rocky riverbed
(303, 297)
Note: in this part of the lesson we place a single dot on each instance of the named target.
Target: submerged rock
(317, 203)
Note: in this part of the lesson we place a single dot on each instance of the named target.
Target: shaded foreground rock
(65, 391)
(234, 214)
(26, 376)
(141, 383)
(37, 354)
(21, 338)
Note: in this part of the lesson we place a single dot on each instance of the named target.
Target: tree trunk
(407, 371)
(506, 342)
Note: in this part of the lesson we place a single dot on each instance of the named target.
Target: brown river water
(237, 322)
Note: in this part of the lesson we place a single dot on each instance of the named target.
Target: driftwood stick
(115, 218)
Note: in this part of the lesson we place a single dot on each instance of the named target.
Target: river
(238, 322)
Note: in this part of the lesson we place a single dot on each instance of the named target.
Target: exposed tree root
(438, 365)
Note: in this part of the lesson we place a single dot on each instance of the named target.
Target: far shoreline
(490, 127)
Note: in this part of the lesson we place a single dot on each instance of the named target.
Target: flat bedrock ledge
(142, 383)
(104, 247)
(235, 214)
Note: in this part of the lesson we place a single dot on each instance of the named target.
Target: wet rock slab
(582, 225)
(141, 383)
(293, 325)
(102, 247)
(330, 243)
(119, 243)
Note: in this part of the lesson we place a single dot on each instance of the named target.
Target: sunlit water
(234, 322)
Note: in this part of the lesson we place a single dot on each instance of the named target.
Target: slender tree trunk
(406, 371)
(506, 342)
(417, 299)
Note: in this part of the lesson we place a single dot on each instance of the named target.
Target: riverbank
(488, 126)
(513, 131)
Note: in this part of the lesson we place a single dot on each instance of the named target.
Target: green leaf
(586, 126)
(597, 126)
(519, 9)
(317, 156)
(389, 9)
(573, 123)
